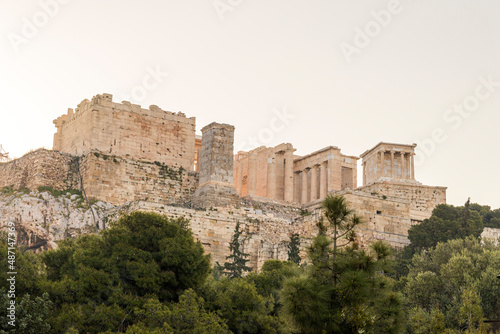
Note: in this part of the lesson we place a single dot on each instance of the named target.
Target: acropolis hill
(127, 158)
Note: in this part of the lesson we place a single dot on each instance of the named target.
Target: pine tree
(343, 289)
(237, 259)
(294, 250)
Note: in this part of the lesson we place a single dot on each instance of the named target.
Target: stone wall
(421, 199)
(492, 234)
(127, 130)
(117, 180)
(108, 178)
(266, 235)
(385, 218)
(40, 168)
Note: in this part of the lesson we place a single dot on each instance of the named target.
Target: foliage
(294, 249)
(187, 316)
(361, 300)
(236, 266)
(344, 290)
(269, 281)
(446, 223)
(491, 218)
(29, 268)
(460, 277)
(57, 193)
(31, 314)
(144, 254)
(237, 301)
(425, 322)
(341, 221)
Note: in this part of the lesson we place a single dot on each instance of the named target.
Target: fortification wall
(107, 178)
(266, 235)
(117, 180)
(127, 130)
(40, 168)
(422, 199)
(385, 218)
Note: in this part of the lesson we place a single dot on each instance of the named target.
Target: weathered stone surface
(42, 219)
(421, 199)
(492, 234)
(389, 161)
(131, 158)
(40, 168)
(127, 130)
(216, 167)
(276, 173)
(118, 180)
(107, 178)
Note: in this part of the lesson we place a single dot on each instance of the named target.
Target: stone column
(382, 162)
(288, 196)
(304, 186)
(297, 195)
(412, 165)
(314, 183)
(403, 166)
(322, 181)
(330, 173)
(364, 173)
(271, 176)
(252, 174)
(392, 164)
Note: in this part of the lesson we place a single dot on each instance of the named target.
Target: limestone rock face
(43, 219)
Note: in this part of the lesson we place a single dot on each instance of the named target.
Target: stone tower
(216, 167)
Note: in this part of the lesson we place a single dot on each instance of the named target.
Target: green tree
(32, 305)
(423, 322)
(341, 219)
(237, 302)
(446, 223)
(236, 266)
(142, 255)
(470, 312)
(31, 314)
(445, 275)
(344, 290)
(269, 281)
(294, 249)
(188, 316)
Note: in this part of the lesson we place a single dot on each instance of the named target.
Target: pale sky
(312, 73)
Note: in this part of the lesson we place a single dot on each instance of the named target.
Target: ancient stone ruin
(129, 158)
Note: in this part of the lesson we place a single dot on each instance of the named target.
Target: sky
(312, 73)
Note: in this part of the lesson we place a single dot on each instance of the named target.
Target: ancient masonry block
(40, 168)
(388, 161)
(276, 173)
(117, 180)
(216, 167)
(127, 130)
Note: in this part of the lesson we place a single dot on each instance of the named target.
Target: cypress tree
(293, 249)
(236, 265)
